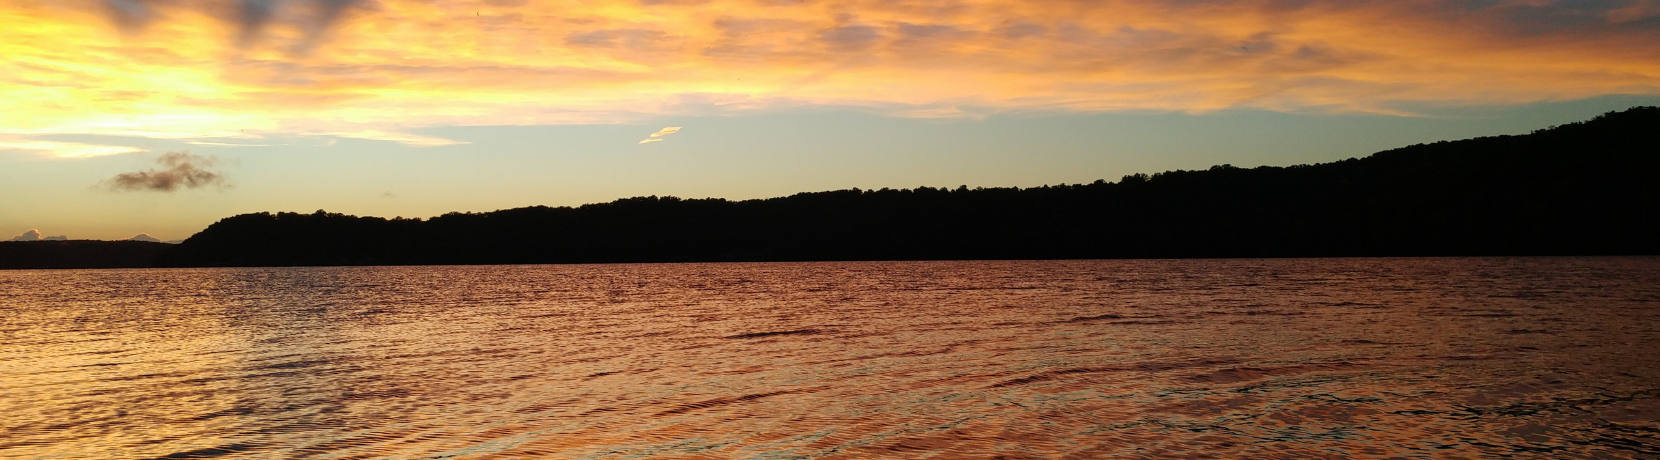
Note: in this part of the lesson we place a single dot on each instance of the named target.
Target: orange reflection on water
(1442, 358)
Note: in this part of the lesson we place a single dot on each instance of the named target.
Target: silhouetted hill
(79, 254)
(1582, 188)
(1585, 188)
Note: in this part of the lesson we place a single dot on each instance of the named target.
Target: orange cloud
(198, 69)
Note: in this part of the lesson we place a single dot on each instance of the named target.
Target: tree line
(1587, 188)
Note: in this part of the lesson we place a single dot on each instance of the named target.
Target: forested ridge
(1588, 188)
(79, 254)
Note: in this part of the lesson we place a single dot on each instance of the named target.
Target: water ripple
(1327, 358)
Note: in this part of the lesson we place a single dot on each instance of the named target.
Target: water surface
(1308, 358)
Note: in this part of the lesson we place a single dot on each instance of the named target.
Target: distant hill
(1589, 188)
(79, 254)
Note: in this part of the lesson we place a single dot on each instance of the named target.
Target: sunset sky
(419, 107)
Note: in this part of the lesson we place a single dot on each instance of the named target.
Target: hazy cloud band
(202, 69)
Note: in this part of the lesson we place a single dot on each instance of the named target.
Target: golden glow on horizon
(188, 70)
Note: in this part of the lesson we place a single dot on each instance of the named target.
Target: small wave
(1492, 315)
(1023, 381)
(212, 452)
(705, 404)
(1529, 331)
(756, 335)
(1081, 319)
(1245, 374)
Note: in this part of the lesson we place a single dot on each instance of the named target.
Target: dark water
(1415, 358)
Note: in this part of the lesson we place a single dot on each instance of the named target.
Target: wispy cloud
(1637, 10)
(194, 69)
(178, 170)
(658, 136)
(224, 144)
(66, 149)
(402, 138)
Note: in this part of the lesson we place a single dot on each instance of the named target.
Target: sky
(162, 116)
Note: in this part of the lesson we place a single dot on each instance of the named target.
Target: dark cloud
(851, 38)
(251, 16)
(316, 18)
(325, 13)
(635, 39)
(180, 170)
(248, 17)
(909, 30)
(1022, 29)
(129, 14)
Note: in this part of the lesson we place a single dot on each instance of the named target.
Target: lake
(1306, 358)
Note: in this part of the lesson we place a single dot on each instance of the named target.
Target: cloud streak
(66, 149)
(658, 136)
(402, 138)
(180, 170)
(200, 70)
